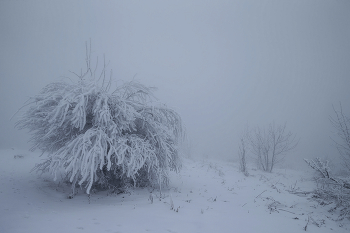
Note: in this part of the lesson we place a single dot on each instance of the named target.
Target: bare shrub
(341, 124)
(270, 145)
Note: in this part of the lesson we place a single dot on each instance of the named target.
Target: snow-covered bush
(331, 188)
(103, 137)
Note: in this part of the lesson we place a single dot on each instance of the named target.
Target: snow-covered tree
(242, 156)
(99, 136)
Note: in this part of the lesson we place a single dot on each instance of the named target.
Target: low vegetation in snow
(207, 196)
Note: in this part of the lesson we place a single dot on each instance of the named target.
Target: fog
(222, 65)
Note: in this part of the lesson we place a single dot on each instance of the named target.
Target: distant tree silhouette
(341, 124)
(270, 145)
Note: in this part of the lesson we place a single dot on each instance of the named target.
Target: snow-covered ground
(207, 196)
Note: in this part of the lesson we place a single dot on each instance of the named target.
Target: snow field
(207, 196)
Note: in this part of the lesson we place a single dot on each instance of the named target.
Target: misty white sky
(223, 65)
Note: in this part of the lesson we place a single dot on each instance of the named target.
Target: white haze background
(222, 65)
